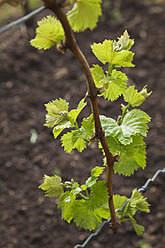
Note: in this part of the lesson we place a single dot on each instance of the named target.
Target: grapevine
(121, 140)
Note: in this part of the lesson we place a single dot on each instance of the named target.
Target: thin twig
(71, 44)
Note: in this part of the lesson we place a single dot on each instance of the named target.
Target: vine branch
(70, 43)
(3, 2)
(13, 3)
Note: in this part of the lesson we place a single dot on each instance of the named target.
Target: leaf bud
(144, 93)
(61, 47)
(116, 157)
(100, 90)
(119, 119)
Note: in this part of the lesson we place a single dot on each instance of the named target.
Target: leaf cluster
(87, 204)
(82, 204)
(113, 82)
(135, 203)
(124, 135)
(59, 118)
(129, 207)
(83, 14)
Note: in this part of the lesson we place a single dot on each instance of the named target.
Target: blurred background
(30, 78)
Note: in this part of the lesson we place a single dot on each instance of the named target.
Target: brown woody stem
(71, 44)
(2, 2)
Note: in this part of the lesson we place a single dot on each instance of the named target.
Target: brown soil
(28, 80)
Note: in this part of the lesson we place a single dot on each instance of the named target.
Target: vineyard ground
(28, 80)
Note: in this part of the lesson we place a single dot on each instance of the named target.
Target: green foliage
(131, 156)
(78, 138)
(52, 186)
(87, 204)
(72, 140)
(135, 98)
(84, 14)
(48, 34)
(143, 244)
(95, 173)
(124, 138)
(136, 202)
(119, 202)
(85, 217)
(106, 54)
(58, 116)
(98, 195)
(134, 122)
(131, 206)
(88, 211)
(114, 85)
(56, 112)
(123, 43)
(114, 53)
(98, 75)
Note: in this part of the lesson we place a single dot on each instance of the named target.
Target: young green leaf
(59, 117)
(139, 201)
(98, 75)
(106, 54)
(66, 202)
(60, 127)
(132, 156)
(88, 127)
(75, 112)
(95, 173)
(52, 186)
(78, 138)
(56, 111)
(84, 216)
(84, 14)
(98, 195)
(119, 201)
(115, 87)
(87, 213)
(124, 59)
(135, 203)
(48, 34)
(103, 211)
(118, 75)
(123, 43)
(135, 121)
(139, 229)
(72, 140)
(126, 165)
(134, 97)
(104, 51)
